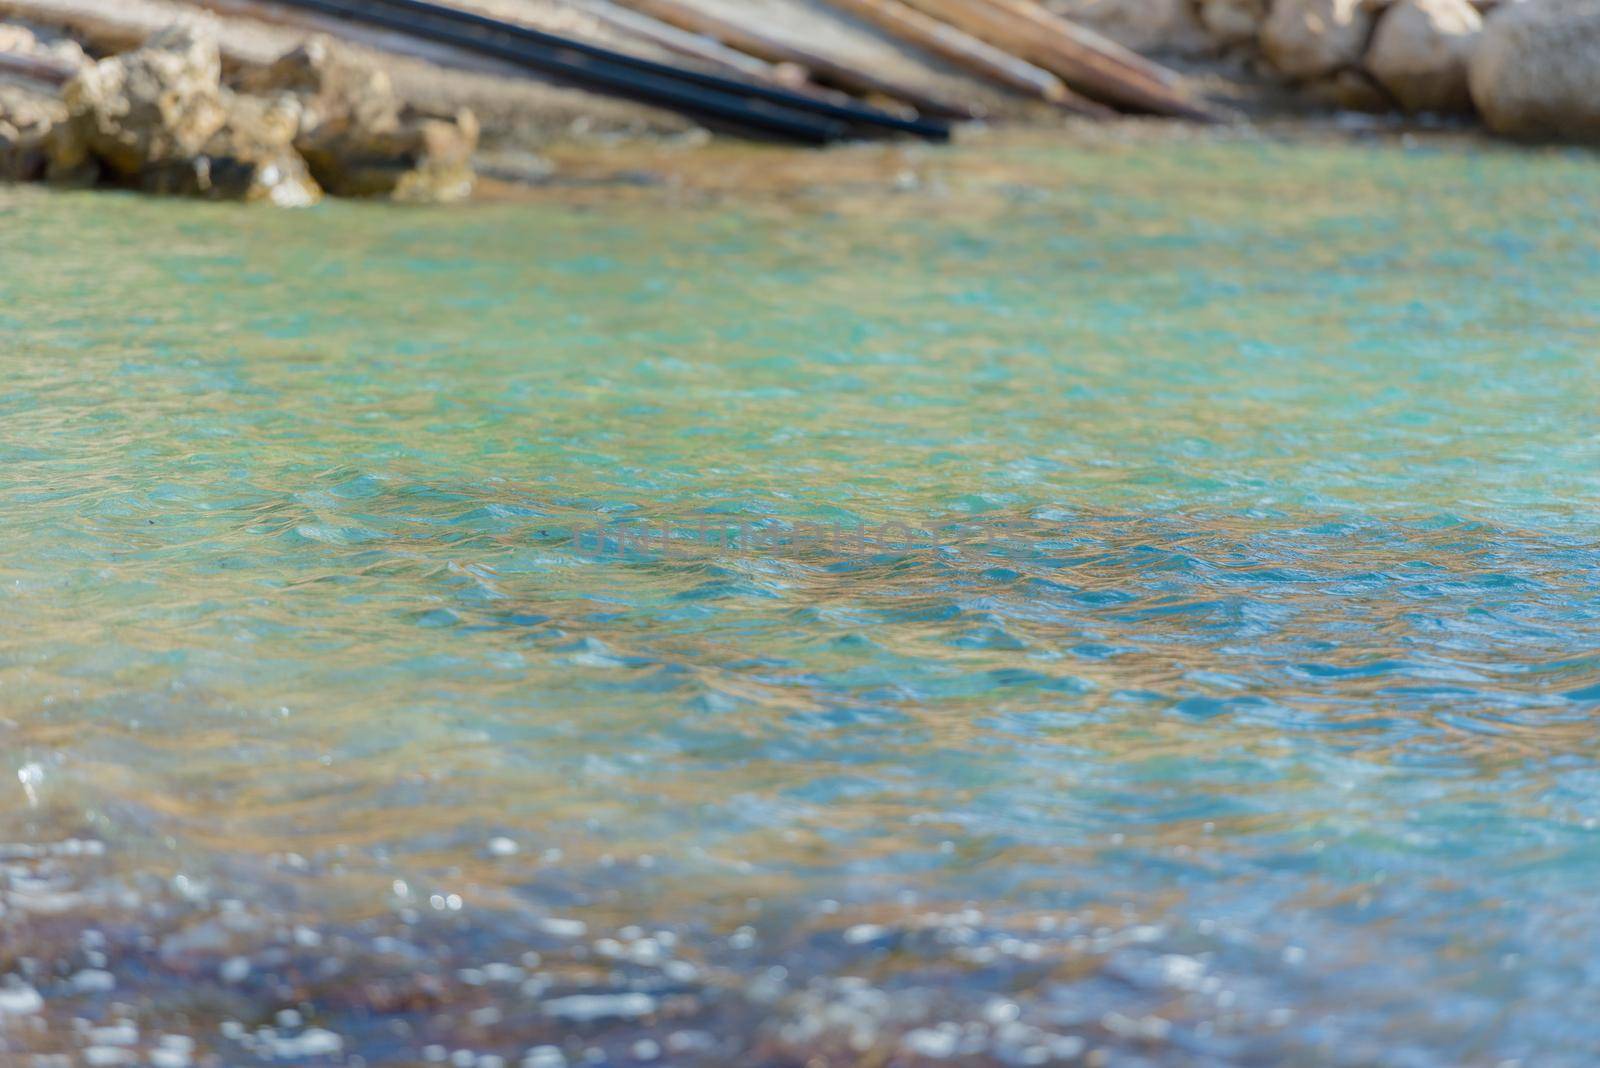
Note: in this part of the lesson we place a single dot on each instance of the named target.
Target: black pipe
(762, 109)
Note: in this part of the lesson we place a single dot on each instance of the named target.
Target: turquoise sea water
(1216, 684)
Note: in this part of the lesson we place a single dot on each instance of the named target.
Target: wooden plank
(45, 69)
(695, 45)
(823, 69)
(1084, 60)
(1056, 27)
(967, 51)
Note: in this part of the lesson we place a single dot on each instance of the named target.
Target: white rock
(315, 1042)
(586, 1007)
(545, 1057)
(175, 1051)
(933, 1043)
(119, 1034)
(1420, 53)
(19, 1000)
(93, 981)
(30, 776)
(864, 932)
(1536, 71)
(561, 927)
(1307, 39)
(1233, 22)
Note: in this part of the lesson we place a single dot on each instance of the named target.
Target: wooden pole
(1086, 61)
(967, 51)
(46, 69)
(1060, 29)
(675, 39)
(747, 38)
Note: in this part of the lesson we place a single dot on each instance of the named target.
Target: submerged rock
(1307, 39)
(1421, 50)
(360, 139)
(1536, 71)
(159, 119)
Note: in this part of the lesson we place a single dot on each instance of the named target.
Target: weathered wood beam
(968, 52)
(1056, 27)
(37, 68)
(684, 42)
(823, 69)
(1086, 61)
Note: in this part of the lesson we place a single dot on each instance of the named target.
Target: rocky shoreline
(179, 114)
(159, 119)
(1529, 69)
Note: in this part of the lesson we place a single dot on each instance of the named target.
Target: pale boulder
(28, 109)
(1233, 22)
(159, 119)
(1309, 39)
(360, 139)
(1421, 50)
(251, 157)
(1351, 90)
(26, 119)
(1149, 26)
(1536, 71)
(157, 105)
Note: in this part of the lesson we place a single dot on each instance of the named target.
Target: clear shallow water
(1237, 706)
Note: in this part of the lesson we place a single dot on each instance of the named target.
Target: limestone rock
(1233, 22)
(156, 106)
(1536, 71)
(1352, 90)
(1308, 39)
(251, 157)
(159, 119)
(19, 40)
(1150, 26)
(26, 119)
(1420, 53)
(443, 172)
(358, 137)
(14, 38)
(335, 85)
